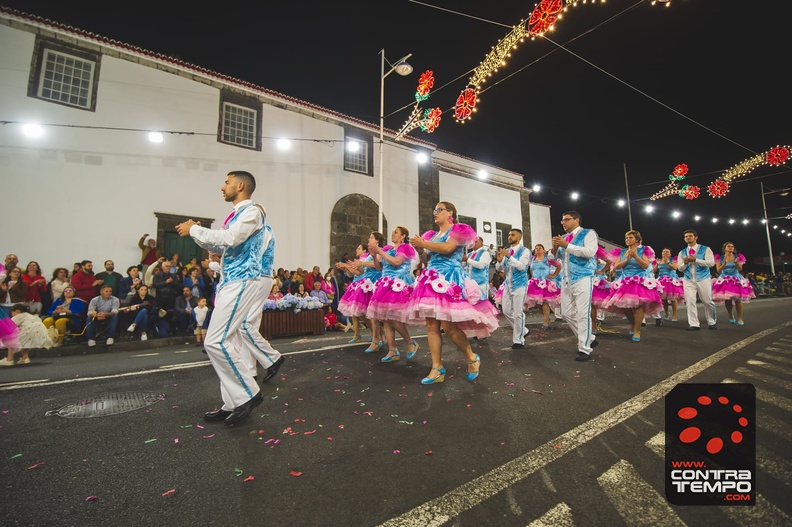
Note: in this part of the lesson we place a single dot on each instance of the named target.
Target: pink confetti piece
(369, 413)
(397, 451)
(309, 433)
(92, 498)
(85, 460)
(468, 405)
(31, 467)
(428, 453)
(171, 491)
(249, 478)
(557, 447)
(176, 440)
(261, 432)
(295, 473)
(209, 436)
(329, 438)
(198, 426)
(341, 427)
(5, 411)
(402, 395)
(298, 420)
(509, 384)
(503, 443)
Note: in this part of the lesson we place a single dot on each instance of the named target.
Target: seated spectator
(36, 287)
(288, 282)
(110, 277)
(141, 310)
(195, 282)
(85, 283)
(75, 269)
(11, 261)
(184, 306)
(67, 314)
(300, 292)
(201, 318)
(193, 263)
(103, 309)
(127, 288)
(59, 282)
(332, 323)
(165, 284)
(314, 276)
(318, 293)
(13, 290)
(275, 294)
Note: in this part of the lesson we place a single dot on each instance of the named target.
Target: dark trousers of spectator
(110, 322)
(184, 323)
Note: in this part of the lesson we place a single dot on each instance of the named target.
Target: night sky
(645, 87)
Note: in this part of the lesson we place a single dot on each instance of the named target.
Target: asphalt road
(343, 439)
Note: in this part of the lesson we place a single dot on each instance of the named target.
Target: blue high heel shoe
(740, 323)
(372, 350)
(732, 321)
(382, 344)
(433, 380)
(411, 354)
(391, 358)
(636, 339)
(631, 333)
(471, 376)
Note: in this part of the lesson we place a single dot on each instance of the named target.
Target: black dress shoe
(241, 412)
(694, 328)
(658, 322)
(217, 415)
(594, 344)
(582, 356)
(518, 346)
(713, 326)
(272, 371)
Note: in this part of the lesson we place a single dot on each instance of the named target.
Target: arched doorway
(353, 219)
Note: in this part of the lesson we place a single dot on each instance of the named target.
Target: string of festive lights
(426, 120)
(541, 20)
(778, 155)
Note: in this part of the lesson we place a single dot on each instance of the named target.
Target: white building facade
(92, 183)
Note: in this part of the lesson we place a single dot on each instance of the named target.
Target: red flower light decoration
(681, 169)
(425, 83)
(543, 16)
(692, 192)
(718, 188)
(777, 156)
(431, 120)
(465, 104)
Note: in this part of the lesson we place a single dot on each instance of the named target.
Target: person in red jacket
(85, 283)
(37, 286)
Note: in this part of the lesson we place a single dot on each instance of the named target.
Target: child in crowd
(331, 321)
(200, 313)
(32, 334)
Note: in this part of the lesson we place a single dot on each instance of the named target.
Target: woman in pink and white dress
(731, 288)
(542, 289)
(601, 286)
(672, 292)
(445, 296)
(635, 294)
(357, 296)
(392, 292)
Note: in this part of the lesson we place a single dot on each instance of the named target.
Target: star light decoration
(542, 19)
(777, 155)
(426, 120)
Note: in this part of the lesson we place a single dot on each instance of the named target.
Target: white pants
(704, 290)
(576, 310)
(513, 304)
(257, 347)
(233, 301)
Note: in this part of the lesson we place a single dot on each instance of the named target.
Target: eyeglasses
(438, 210)
(68, 290)
(566, 219)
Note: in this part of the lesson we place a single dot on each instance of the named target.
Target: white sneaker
(143, 336)
(91, 343)
(110, 342)
(131, 328)
(6, 362)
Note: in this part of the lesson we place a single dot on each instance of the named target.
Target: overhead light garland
(777, 155)
(541, 20)
(426, 120)
(679, 173)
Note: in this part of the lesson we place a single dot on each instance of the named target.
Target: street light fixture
(402, 67)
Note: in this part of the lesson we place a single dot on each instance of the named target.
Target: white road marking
(558, 516)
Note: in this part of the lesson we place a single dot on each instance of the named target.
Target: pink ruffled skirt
(630, 292)
(9, 332)
(541, 292)
(434, 297)
(732, 288)
(356, 298)
(389, 300)
(672, 288)
(600, 292)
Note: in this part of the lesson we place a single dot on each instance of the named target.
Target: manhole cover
(104, 405)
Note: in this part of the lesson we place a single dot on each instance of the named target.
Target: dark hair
(109, 261)
(725, 244)
(539, 245)
(377, 236)
(573, 214)
(21, 307)
(246, 178)
(105, 286)
(82, 264)
(637, 235)
(38, 267)
(57, 270)
(404, 231)
(130, 268)
(450, 207)
(516, 230)
(691, 231)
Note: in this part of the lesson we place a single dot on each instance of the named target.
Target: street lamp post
(767, 229)
(402, 68)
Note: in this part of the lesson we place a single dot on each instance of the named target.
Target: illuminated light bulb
(353, 146)
(575, 195)
(775, 226)
(621, 203)
(537, 188)
(649, 208)
(155, 137)
(482, 174)
(764, 221)
(731, 222)
(675, 214)
(32, 130)
(745, 222)
(714, 220)
(422, 158)
(783, 231)
(697, 217)
(283, 144)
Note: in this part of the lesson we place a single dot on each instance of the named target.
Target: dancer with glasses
(515, 261)
(577, 251)
(442, 296)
